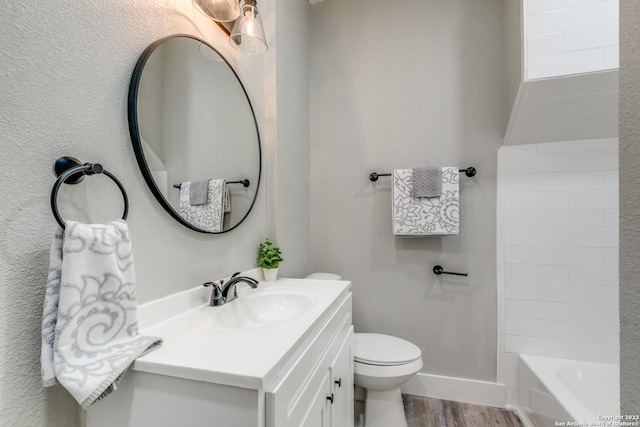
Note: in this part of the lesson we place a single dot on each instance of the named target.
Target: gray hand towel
(199, 193)
(427, 182)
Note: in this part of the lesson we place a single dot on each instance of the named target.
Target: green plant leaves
(269, 255)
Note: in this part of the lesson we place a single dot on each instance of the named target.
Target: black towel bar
(438, 270)
(70, 170)
(245, 183)
(470, 171)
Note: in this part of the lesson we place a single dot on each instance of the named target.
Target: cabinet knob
(338, 382)
(330, 398)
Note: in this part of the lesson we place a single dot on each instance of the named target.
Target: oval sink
(253, 309)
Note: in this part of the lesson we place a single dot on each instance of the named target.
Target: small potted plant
(269, 258)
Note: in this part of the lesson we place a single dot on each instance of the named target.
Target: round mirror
(194, 134)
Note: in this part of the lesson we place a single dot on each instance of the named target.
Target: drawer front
(289, 398)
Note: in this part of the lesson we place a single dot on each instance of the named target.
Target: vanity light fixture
(247, 34)
(219, 10)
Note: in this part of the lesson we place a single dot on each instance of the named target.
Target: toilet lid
(378, 349)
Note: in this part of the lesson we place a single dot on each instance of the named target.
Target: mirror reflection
(194, 134)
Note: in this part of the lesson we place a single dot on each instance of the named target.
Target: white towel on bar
(227, 199)
(89, 323)
(209, 216)
(421, 216)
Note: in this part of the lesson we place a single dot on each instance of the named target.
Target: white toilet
(382, 363)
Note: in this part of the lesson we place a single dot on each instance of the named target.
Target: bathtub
(553, 391)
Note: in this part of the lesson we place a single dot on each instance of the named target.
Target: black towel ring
(66, 167)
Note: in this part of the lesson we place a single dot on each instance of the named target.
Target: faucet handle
(216, 293)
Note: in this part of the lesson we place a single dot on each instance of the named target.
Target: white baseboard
(457, 389)
(524, 419)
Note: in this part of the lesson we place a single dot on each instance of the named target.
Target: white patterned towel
(209, 216)
(417, 216)
(89, 325)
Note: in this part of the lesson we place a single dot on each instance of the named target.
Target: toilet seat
(384, 350)
(387, 371)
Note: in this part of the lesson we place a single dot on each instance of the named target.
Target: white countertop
(248, 358)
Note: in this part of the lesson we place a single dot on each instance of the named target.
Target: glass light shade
(247, 34)
(219, 10)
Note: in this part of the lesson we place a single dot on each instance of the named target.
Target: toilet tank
(324, 276)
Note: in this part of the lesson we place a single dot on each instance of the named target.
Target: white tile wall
(570, 108)
(560, 224)
(564, 37)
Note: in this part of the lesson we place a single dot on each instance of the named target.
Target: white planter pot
(270, 274)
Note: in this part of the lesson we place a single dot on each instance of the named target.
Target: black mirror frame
(134, 131)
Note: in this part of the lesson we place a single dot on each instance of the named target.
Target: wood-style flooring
(426, 412)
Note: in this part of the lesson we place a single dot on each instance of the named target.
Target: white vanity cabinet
(300, 374)
(318, 390)
(341, 380)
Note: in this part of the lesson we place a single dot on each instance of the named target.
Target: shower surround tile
(560, 240)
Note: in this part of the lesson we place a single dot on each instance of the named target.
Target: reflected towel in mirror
(209, 216)
(198, 192)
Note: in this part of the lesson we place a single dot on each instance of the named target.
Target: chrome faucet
(222, 293)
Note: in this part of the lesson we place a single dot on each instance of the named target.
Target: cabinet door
(309, 407)
(342, 385)
(319, 410)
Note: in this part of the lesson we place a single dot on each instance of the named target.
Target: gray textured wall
(630, 206)
(65, 68)
(396, 86)
(513, 43)
(291, 81)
